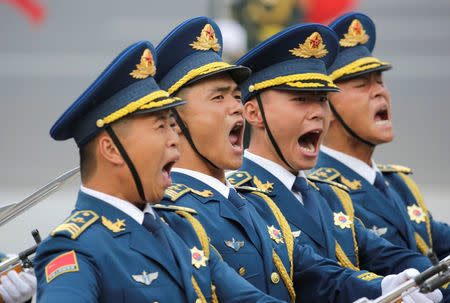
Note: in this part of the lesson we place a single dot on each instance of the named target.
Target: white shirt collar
(120, 204)
(360, 167)
(223, 189)
(281, 173)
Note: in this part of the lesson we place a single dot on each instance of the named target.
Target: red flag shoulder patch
(66, 262)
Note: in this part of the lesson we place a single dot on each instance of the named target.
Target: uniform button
(275, 278)
(198, 300)
(241, 271)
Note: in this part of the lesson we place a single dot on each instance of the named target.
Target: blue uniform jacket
(250, 251)
(392, 223)
(100, 254)
(364, 249)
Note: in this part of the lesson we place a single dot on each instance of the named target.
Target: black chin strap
(186, 133)
(127, 159)
(269, 133)
(347, 128)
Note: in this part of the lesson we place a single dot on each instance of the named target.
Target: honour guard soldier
(285, 101)
(385, 197)
(114, 247)
(211, 128)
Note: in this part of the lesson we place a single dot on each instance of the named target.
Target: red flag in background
(33, 10)
(325, 11)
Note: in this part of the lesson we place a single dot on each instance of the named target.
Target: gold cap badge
(356, 34)
(198, 257)
(146, 67)
(342, 220)
(416, 213)
(207, 40)
(313, 47)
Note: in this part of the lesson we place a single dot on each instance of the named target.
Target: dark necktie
(301, 186)
(380, 184)
(240, 204)
(155, 226)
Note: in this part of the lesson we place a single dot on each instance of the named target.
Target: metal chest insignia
(275, 234)
(416, 214)
(378, 231)
(207, 40)
(146, 278)
(235, 245)
(198, 257)
(342, 220)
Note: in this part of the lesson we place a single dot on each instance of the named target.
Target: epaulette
(237, 177)
(174, 208)
(177, 190)
(393, 168)
(327, 175)
(75, 224)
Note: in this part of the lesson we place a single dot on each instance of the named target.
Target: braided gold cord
(419, 198)
(343, 259)
(201, 233)
(159, 103)
(291, 79)
(214, 298)
(205, 69)
(421, 244)
(284, 225)
(357, 66)
(132, 107)
(284, 275)
(346, 201)
(198, 291)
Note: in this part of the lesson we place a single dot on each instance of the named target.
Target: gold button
(275, 278)
(251, 88)
(100, 123)
(198, 300)
(242, 271)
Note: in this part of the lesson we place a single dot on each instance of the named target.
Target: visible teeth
(310, 149)
(315, 131)
(381, 122)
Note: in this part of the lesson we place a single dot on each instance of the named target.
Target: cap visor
(349, 76)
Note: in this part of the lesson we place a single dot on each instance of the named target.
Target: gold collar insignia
(355, 184)
(114, 227)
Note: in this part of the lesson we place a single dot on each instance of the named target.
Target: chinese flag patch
(64, 263)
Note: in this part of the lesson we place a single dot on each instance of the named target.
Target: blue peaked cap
(357, 36)
(193, 51)
(296, 58)
(126, 87)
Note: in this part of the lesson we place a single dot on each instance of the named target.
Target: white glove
(392, 281)
(17, 288)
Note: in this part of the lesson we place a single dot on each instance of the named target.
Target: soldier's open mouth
(308, 142)
(235, 136)
(382, 116)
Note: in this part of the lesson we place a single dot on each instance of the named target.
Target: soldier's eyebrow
(224, 88)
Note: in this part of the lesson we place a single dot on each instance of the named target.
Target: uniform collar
(125, 206)
(360, 167)
(223, 189)
(281, 173)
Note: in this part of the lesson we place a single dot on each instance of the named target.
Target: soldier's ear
(253, 113)
(108, 151)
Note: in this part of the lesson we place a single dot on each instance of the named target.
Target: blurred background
(50, 52)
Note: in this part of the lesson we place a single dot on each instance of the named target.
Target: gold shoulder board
(75, 224)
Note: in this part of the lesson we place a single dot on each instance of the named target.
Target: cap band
(142, 103)
(203, 70)
(357, 66)
(294, 81)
